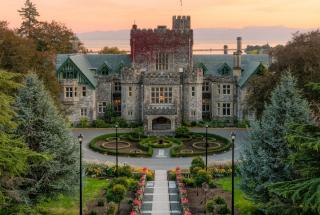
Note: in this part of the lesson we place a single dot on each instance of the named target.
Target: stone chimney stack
(237, 54)
(225, 49)
(239, 45)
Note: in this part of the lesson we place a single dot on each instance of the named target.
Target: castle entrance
(161, 123)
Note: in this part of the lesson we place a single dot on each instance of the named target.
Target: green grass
(245, 206)
(69, 204)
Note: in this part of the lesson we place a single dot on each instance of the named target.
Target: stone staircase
(161, 196)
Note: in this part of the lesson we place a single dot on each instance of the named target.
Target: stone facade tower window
(162, 61)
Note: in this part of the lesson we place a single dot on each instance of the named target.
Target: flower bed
(184, 201)
(137, 202)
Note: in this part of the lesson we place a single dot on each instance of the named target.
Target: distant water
(96, 45)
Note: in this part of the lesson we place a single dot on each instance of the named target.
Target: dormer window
(162, 61)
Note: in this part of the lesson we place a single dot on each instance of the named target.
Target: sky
(105, 15)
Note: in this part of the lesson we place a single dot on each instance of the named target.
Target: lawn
(69, 204)
(245, 206)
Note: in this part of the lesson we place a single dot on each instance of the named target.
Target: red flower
(187, 213)
(133, 213)
(184, 200)
(145, 169)
(139, 192)
(136, 202)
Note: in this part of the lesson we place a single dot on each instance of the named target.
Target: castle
(160, 83)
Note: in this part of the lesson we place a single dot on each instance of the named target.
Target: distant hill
(250, 35)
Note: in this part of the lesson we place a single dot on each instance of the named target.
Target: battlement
(181, 23)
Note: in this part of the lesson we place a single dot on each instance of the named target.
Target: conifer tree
(44, 130)
(264, 158)
(29, 16)
(301, 195)
(14, 154)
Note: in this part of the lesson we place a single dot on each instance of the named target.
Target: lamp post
(233, 137)
(206, 147)
(80, 138)
(116, 150)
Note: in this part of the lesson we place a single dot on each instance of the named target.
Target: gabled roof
(88, 63)
(249, 64)
(213, 64)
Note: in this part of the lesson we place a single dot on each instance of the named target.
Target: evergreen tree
(301, 195)
(29, 16)
(14, 154)
(44, 130)
(264, 158)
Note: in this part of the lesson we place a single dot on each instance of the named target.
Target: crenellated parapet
(194, 76)
(131, 75)
(162, 78)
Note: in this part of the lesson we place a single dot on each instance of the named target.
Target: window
(69, 92)
(83, 112)
(219, 91)
(84, 91)
(75, 92)
(117, 87)
(102, 106)
(205, 87)
(193, 113)
(205, 105)
(117, 105)
(226, 89)
(162, 61)
(130, 113)
(193, 91)
(161, 95)
(224, 109)
(130, 91)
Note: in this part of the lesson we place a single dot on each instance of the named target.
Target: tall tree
(300, 196)
(263, 159)
(29, 16)
(14, 154)
(44, 130)
(301, 57)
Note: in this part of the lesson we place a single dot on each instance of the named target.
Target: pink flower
(133, 213)
(139, 192)
(136, 202)
(187, 213)
(183, 191)
(184, 200)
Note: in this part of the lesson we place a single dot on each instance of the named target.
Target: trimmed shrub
(182, 132)
(189, 182)
(219, 200)
(210, 206)
(223, 209)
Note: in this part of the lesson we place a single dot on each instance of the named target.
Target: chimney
(239, 45)
(225, 49)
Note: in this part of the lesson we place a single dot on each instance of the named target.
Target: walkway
(158, 196)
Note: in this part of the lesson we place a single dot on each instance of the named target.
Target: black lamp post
(233, 137)
(80, 138)
(206, 147)
(116, 150)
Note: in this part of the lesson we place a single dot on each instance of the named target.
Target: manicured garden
(209, 191)
(136, 144)
(103, 192)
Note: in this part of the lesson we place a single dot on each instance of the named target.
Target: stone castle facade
(160, 83)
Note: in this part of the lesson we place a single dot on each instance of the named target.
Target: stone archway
(161, 123)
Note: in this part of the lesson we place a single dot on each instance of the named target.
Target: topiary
(219, 200)
(223, 209)
(210, 206)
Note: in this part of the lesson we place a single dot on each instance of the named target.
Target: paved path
(159, 162)
(160, 203)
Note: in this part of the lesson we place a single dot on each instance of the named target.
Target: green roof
(89, 63)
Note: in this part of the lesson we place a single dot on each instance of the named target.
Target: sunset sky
(100, 15)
